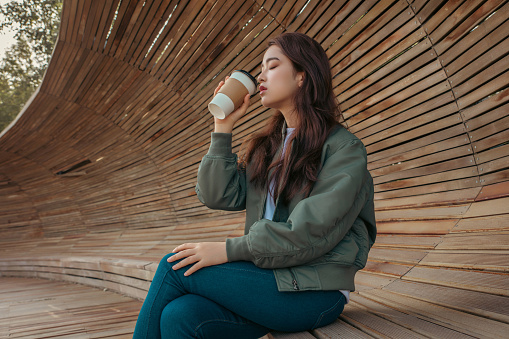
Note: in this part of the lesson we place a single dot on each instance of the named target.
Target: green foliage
(36, 23)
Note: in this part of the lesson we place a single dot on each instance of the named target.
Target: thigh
(252, 293)
(194, 316)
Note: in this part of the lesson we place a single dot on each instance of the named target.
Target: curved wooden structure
(98, 171)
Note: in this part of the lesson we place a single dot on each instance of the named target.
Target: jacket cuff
(220, 144)
(237, 249)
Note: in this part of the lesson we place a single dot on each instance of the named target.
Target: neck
(290, 118)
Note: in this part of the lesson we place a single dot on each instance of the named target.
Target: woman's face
(277, 83)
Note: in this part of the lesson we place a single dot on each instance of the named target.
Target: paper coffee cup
(232, 93)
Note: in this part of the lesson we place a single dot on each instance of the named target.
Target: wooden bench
(97, 173)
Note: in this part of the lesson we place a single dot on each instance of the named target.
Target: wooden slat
(478, 303)
(401, 318)
(492, 261)
(459, 321)
(37, 308)
(375, 326)
(493, 283)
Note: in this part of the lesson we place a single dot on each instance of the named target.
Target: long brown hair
(317, 112)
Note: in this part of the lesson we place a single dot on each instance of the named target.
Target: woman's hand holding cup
(226, 125)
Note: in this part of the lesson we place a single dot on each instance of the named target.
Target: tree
(36, 23)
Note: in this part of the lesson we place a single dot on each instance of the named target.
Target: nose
(260, 78)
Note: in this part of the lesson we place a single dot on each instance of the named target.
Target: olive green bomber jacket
(317, 242)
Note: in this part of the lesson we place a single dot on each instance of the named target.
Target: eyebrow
(269, 59)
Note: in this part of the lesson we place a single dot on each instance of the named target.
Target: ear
(300, 76)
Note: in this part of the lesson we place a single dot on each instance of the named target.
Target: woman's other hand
(226, 125)
(202, 253)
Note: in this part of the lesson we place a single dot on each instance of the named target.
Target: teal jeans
(230, 300)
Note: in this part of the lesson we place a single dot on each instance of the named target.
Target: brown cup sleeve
(235, 90)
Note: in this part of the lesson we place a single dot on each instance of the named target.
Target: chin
(265, 103)
(268, 103)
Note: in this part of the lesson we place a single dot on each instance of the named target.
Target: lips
(262, 88)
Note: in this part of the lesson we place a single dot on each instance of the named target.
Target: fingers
(188, 252)
(201, 254)
(185, 262)
(218, 87)
(180, 255)
(221, 83)
(193, 269)
(239, 112)
(182, 247)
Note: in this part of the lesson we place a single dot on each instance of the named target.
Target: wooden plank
(454, 211)
(284, 335)
(64, 309)
(491, 154)
(482, 224)
(491, 102)
(486, 90)
(472, 13)
(369, 67)
(339, 329)
(374, 325)
(416, 171)
(434, 199)
(490, 207)
(412, 118)
(494, 167)
(387, 269)
(398, 255)
(365, 280)
(409, 321)
(450, 318)
(477, 39)
(472, 302)
(486, 282)
(408, 241)
(476, 241)
(430, 188)
(484, 120)
(415, 227)
(491, 261)
(492, 178)
(401, 93)
(395, 151)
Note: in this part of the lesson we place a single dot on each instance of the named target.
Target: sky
(6, 37)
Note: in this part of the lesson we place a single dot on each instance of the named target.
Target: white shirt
(270, 206)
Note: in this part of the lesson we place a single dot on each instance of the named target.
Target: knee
(181, 317)
(164, 266)
(164, 259)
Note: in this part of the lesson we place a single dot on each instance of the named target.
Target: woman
(310, 221)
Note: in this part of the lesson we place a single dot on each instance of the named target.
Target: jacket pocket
(361, 236)
(305, 278)
(344, 253)
(297, 278)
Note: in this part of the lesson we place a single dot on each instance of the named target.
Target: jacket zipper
(294, 281)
